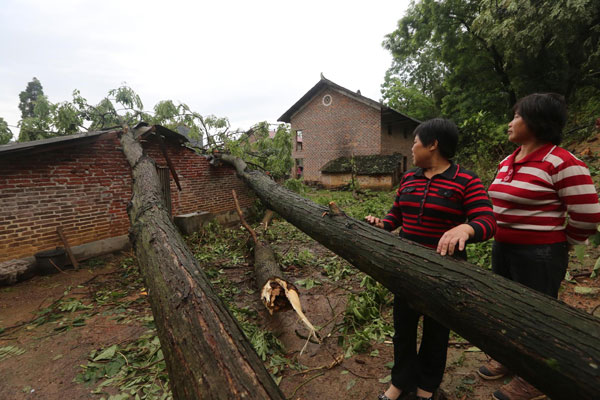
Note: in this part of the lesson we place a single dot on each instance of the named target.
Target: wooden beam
(60, 232)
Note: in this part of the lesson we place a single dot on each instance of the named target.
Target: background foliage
(257, 147)
(470, 60)
(41, 119)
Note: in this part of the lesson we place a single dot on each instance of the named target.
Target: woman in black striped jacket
(442, 206)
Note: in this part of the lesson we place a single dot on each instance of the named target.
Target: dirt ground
(53, 352)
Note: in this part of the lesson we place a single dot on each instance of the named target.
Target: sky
(248, 61)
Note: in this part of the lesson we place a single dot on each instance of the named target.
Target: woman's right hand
(374, 221)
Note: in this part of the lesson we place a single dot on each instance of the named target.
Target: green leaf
(308, 283)
(586, 291)
(595, 238)
(351, 384)
(107, 354)
(386, 379)
(389, 365)
(580, 251)
(9, 351)
(592, 275)
(114, 367)
(374, 353)
(120, 396)
(569, 278)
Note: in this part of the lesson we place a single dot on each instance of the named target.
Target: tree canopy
(5, 132)
(29, 96)
(269, 151)
(43, 119)
(458, 58)
(123, 106)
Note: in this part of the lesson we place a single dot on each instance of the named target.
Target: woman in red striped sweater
(535, 189)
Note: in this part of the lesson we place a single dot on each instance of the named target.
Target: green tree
(436, 51)
(472, 59)
(5, 132)
(481, 55)
(38, 124)
(121, 106)
(409, 99)
(29, 96)
(211, 131)
(258, 148)
(547, 45)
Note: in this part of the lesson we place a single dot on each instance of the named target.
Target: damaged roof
(40, 146)
(365, 165)
(387, 113)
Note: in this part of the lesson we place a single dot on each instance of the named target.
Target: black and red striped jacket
(426, 208)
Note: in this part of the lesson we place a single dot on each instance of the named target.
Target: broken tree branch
(276, 292)
(242, 219)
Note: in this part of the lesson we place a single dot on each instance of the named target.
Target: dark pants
(539, 267)
(424, 369)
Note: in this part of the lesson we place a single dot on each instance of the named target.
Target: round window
(327, 100)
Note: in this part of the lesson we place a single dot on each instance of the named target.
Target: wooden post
(67, 247)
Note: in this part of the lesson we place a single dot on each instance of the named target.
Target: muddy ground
(105, 303)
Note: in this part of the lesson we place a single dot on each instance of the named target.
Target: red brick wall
(86, 188)
(399, 141)
(344, 127)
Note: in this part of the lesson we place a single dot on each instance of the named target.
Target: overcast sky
(245, 60)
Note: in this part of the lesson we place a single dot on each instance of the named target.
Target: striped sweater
(426, 208)
(533, 196)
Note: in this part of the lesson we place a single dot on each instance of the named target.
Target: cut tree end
(278, 294)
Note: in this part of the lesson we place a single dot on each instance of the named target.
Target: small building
(83, 184)
(331, 121)
(375, 172)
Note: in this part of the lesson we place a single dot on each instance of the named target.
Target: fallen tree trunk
(276, 292)
(552, 345)
(207, 354)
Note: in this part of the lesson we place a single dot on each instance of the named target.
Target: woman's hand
(457, 235)
(374, 221)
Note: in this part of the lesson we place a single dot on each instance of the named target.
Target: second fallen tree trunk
(206, 352)
(552, 345)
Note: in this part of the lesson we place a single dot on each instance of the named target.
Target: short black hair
(545, 115)
(442, 130)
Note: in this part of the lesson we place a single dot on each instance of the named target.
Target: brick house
(82, 183)
(331, 121)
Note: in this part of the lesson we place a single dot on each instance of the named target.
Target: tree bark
(207, 354)
(552, 345)
(276, 292)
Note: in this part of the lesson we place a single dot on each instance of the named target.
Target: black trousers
(539, 267)
(424, 368)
